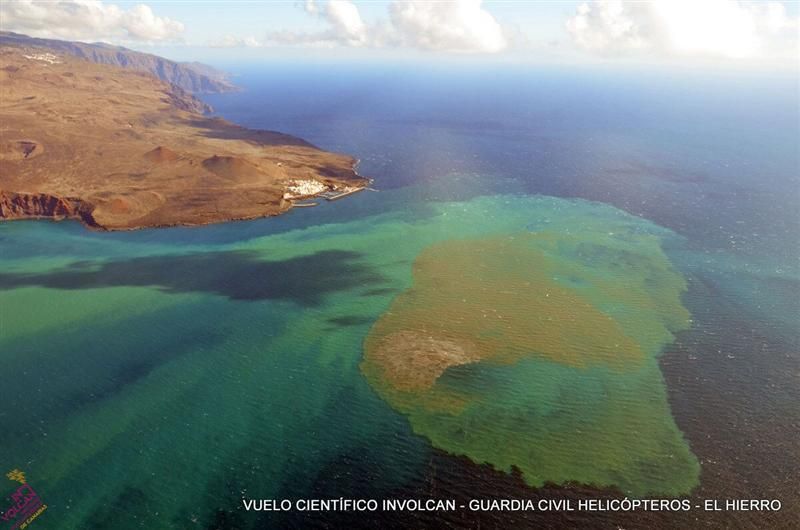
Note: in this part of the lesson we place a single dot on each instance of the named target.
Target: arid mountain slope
(119, 149)
(197, 78)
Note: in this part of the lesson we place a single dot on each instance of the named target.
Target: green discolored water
(537, 350)
(224, 368)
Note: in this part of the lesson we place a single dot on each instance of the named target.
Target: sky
(760, 34)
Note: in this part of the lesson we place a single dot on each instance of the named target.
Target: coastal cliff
(41, 205)
(119, 149)
(196, 78)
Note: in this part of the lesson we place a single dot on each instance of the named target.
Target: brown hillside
(120, 149)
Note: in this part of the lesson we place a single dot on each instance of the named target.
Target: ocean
(602, 266)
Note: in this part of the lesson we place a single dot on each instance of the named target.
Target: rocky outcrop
(183, 100)
(194, 77)
(41, 205)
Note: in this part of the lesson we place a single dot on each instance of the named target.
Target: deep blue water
(713, 156)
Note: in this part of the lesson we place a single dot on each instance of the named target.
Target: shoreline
(58, 209)
(152, 160)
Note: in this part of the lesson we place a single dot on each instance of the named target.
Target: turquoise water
(154, 379)
(232, 369)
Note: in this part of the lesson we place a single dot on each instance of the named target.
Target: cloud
(311, 7)
(462, 26)
(230, 41)
(87, 20)
(345, 27)
(346, 22)
(712, 28)
(452, 26)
